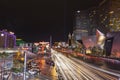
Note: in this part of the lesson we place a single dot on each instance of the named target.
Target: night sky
(36, 20)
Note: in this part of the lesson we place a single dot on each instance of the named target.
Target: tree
(3, 56)
(94, 50)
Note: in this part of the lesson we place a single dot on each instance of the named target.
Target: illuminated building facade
(7, 39)
(105, 17)
(109, 16)
(81, 25)
(93, 20)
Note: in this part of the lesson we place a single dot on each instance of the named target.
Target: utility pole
(50, 45)
(24, 66)
(50, 42)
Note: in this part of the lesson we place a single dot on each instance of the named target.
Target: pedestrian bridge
(9, 50)
(15, 50)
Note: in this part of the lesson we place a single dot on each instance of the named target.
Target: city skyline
(38, 20)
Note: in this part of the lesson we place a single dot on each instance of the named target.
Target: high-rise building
(7, 39)
(109, 16)
(93, 20)
(81, 24)
(108, 21)
(104, 18)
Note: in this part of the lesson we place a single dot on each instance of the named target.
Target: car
(52, 63)
(32, 72)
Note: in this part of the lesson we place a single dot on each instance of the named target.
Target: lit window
(11, 32)
(100, 15)
(106, 25)
(111, 24)
(105, 17)
(78, 11)
(111, 12)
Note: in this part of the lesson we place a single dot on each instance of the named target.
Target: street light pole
(50, 42)
(24, 66)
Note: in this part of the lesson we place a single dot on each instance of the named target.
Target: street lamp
(25, 66)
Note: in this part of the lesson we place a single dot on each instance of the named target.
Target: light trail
(74, 69)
